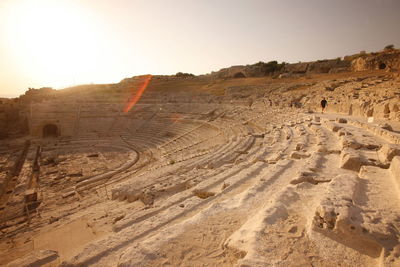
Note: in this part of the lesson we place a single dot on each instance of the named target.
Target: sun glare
(55, 40)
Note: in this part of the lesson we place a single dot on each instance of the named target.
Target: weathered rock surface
(37, 258)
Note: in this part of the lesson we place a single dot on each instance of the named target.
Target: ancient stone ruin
(207, 171)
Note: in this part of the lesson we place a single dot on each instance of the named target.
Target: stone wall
(320, 66)
(256, 70)
(388, 59)
(59, 114)
(374, 61)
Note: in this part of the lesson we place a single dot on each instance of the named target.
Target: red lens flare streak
(138, 94)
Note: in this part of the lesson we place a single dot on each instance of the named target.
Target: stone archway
(382, 66)
(239, 75)
(50, 130)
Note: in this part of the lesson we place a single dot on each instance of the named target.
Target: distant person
(324, 103)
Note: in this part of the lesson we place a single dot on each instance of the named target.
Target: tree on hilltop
(270, 67)
(389, 47)
(184, 75)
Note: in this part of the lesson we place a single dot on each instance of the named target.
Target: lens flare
(135, 98)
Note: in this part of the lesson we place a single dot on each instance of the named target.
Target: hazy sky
(60, 43)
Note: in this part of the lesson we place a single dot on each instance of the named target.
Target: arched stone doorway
(239, 75)
(382, 66)
(50, 130)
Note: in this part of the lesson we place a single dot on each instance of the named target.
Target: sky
(61, 43)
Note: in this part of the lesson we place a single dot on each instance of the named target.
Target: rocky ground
(246, 172)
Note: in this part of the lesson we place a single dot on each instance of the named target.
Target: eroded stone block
(395, 169)
(299, 146)
(333, 126)
(388, 152)
(298, 155)
(133, 195)
(30, 195)
(338, 217)
(348, 142)
(351, 160)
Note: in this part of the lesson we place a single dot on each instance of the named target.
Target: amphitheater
(207, 172)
